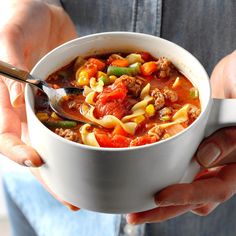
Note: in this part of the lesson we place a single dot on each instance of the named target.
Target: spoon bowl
(54, 95)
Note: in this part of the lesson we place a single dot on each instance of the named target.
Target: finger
(216, 189)
(9, 122)
(229, 76)
(16, 91)
(223, 77)
(157, 215)
(12, 147)
(205, 210)
(217, 79)
(37, 174)
(218, 149)
(10, 132)
(13, 53)
(61, 21)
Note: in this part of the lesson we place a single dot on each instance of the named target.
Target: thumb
(11, 144)
(12, 53)
(218, 149)
(16, 90)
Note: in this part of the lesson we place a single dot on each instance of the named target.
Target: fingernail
(28, 163)
(130, 220)
(17, 95)
(157, 202)
(208, 154)
(72, 208)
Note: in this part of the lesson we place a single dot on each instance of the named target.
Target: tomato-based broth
(128, 99)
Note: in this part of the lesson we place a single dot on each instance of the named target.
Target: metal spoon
(54, 95)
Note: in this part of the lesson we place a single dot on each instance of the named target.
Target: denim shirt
(206, 28)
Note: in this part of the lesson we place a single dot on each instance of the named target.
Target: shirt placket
(146, 18)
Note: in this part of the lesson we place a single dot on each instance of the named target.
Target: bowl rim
(203, 114)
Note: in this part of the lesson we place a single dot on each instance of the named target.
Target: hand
(28, 30)
(215, 185)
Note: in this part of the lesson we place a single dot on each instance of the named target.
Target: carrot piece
(100, 64)
(118, 130)
(91, 69)
(148, 68)
(120, 63)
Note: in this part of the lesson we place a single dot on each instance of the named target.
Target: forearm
(54, 2)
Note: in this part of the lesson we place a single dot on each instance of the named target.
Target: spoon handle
(20, 75)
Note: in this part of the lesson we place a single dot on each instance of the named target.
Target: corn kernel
(100, 74)
(112, 78)
(138, 119)
(82, 81)
(150, 110)
(42, 116)
(55, 116)
(81, 73)
(82, 78)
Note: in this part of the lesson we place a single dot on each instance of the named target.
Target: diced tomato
(115, 91)
(109, 140)
(146, 56)
(142, 140)
(112, 101)
(120, 141)
(91, 69)
(103, 140)
(120, 63)
(114, 108)
(148, 68)
(100, 64)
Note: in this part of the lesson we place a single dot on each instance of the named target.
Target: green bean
(134, 69)
(193, 93)
(60, 124)
(104, 79)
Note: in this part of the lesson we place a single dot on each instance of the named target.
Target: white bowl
(116, 180)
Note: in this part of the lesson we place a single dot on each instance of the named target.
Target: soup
(128, 100)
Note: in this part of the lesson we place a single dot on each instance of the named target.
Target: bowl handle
(223, 114)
